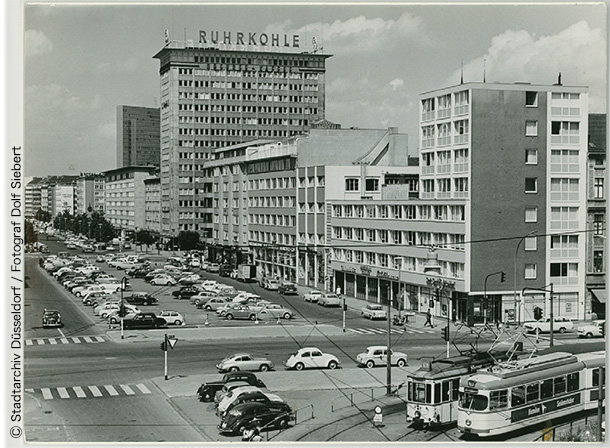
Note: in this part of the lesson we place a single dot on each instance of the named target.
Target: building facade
(211, 98)
(89, 193)
(138, 136)
(125, 199)
(152, 204)
(33, 198)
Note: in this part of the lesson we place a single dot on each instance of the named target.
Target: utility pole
(344, 310)
(600, 402)
(122, 306)
(389, 347)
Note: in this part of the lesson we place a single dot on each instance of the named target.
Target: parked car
(207, 391)
(286, 288)
(212, 304)
(172, 317)
(138, 272)
(144, 320)
(239, 311)
(275, 311)
(270, 283)
(213, 267)
(561, 324)
(225, 270)
(313, 296)
(163, 280)
(242, 416)
(189, 279)
(51, 318)
(377, 355)
(329, 299)
(311, 358)
(233, 395)
(373, 311)
(250, 397)
(243, 361)
(93, 298)
(595, 329)
(141, 298)
(186, 292)
(227, 388)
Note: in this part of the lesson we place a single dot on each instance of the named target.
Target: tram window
(533, 392)
(437, 393)
(596, 377)
(498, 399)
(428, 393)
(410, 391)
(445, 391)
(573, 383)
(455, 385)
(418, 393)
(473, 401)
(559, 385)
(546, 389)
(518, 396)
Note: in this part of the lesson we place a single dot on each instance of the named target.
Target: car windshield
(473, 401)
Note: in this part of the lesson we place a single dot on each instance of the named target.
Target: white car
(313, 296)
(209, 284)
(592, 330)
(377, 355)
(374, 311)
(172, 317)
(163, 280)
(231, 396)
(311, 358)
(203, 297)
(560, 324)
(329, 300)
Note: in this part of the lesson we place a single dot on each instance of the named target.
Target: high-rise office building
(212, 97)
(138, 136)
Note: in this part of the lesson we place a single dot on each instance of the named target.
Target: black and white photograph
(305, 223)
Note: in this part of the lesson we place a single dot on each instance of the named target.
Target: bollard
(378, 417)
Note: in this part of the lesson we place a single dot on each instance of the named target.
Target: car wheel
(283, 423)
(168, 284)
(562, 330)
(370, 364)
(287, 316)
(332, 365)
(207, 396)
(252, 317)
(401, 363)
(234, 369)
(178, 322)
(78, 294)
(264, 367)
(113, 321)
(229, 317)
(207, 307)
(589, 335)
(299, 366)
(241, 429)
(179, 296)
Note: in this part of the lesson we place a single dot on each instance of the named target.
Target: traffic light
(502, 277)
(445, 333)
(538, 314)
(163, 346)
(122, 311)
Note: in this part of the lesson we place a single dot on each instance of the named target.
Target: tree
(187, 239)
(30, 233)
(145, 237)
(42, 215)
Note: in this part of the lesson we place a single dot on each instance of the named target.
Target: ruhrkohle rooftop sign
(239, 38)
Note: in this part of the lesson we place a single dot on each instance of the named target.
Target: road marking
(29, 342)
(111, 390)
(64, 341)
(95, 391)
(87, 339)
(40, 341)
(63, 393)
(377, 330)
(143, 388)
(62, 333)
(128, 390)
(52, 342)
(98, 339)
(80, 393)
(30, 390)
(76, 340)
(46, 393)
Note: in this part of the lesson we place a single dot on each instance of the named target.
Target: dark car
(287, 288)
(207, 391)
(51, 318)
(141, 298)
(225, 270)
(144, 321)
(138, 272)
(186, 292)
(266, 415)
(253, 397)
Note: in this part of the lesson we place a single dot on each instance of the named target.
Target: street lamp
(122, 306)
(518, 318)
(551, 303)
(502, 279)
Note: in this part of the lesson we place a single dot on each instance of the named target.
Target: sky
(82, 61)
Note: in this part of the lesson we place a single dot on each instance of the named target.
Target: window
(518, 396)
(372, 184)
(598, 225)
(531, 99)
(559, 385)
(530, 243)
(599, 188)
(531, 156)
(531, 128)
(531, 184)
(573, 381)
(498, 399)
(533, 392)
(546, 389)
(564, 269)
(359, 234)
(598, 261)
(352, 184)
(530, 271)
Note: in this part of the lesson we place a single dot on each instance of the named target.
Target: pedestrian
(338, 290)
(428, 319)
(454, 315)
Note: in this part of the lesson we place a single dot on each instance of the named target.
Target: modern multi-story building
(596, 217)
(213, 97)
(57, 194)
(152, 204)
(138, 136)
(89, 193)
(125, 199)
(33, 195)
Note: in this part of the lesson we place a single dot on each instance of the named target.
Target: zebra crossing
(371, 330)
(68, 340)
(105, 391)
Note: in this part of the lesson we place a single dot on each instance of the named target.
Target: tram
(512, 396)
(432, 390)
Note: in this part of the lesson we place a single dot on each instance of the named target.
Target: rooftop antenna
(484, 69)
(462, 73)
(559, 79)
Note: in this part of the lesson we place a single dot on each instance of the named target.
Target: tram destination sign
(545, 408)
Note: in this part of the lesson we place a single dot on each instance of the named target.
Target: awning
(599, 295)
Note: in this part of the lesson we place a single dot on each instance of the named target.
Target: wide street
(84, 383)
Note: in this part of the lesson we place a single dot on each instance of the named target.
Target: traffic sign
(171, 340)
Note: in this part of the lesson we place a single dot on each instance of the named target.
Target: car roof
(239, 354)
(50, 311)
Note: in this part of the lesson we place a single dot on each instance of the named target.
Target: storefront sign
(255, 39)
(348, 269)
(366, 270)
(383, 274)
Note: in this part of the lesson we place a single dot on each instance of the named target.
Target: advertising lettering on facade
(544, 408)
(248, 39)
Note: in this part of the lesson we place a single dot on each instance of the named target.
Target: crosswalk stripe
(64, 341)
(29, 342)
(143, 388)
(52, 342)
(80, 393)
(127, 389)
(95, 391)
(46, 393)
(363, 330)
(378, 330)
(40, 341)
(30, 390)
(87, 339)
(63, 393)
(111, 390)
(99, 338)
(76, 340)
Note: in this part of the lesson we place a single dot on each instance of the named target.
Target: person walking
(428, 319)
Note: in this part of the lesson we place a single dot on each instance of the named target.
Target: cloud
(107, 130)
(396, 83)
(578, 52)
(97, 102)
(37, 43)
